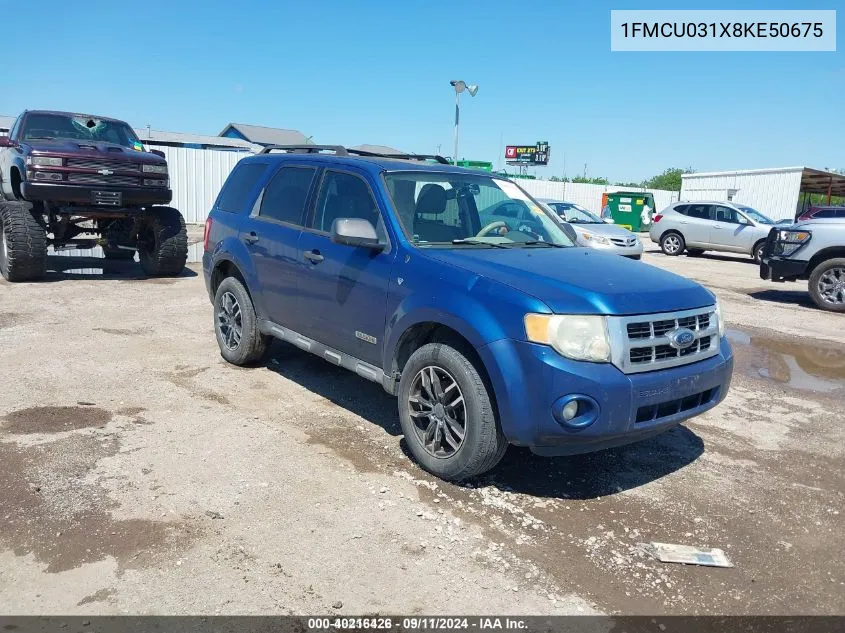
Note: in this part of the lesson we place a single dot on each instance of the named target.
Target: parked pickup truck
(488, 333)
(65, 175)
(812, 250)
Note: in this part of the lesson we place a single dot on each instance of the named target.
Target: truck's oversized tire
(827, 284)
(23, 243)
(162, 241)
(235, 324)
(451, 429)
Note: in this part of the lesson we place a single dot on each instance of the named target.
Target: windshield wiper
(539, 243)
(469, 240)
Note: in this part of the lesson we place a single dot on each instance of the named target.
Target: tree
(670, 179)
(595, 180)
(634, 185)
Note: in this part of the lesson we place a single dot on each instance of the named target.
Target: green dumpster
(626, 208)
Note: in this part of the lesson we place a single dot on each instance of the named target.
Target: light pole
(459, 87)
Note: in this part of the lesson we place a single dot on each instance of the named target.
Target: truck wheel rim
(672, 244)
(832, 286)
(230, 321)
(438, 411)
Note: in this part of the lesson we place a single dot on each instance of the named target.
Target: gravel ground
(142, 474)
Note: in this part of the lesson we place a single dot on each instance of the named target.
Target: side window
(683, 209)
(345, 195)
(285, 197)
(699, 211)
(725, 214)
(839, 213)
(234, 196)
(16, 127)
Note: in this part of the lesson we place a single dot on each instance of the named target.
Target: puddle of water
(804, 366)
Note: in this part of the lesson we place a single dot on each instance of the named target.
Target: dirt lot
(139, 473)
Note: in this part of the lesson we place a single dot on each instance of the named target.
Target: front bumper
(82, 194)
(780, 269)
(528, 380)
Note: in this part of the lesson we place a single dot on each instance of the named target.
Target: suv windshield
(755, 215)
(440, 209)
(574, 214)
(79, 128)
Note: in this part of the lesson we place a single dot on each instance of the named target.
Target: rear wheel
(672, 244)
(447, 414)
(757, 251)
(827, 285)
(23, 243)
(162, 241)
(235, 324)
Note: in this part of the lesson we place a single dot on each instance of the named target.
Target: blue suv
(490, 329)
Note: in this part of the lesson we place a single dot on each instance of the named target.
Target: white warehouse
(774, 192)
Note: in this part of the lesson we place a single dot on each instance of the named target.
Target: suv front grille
(111, 165)
(97, 179)
(643, 343)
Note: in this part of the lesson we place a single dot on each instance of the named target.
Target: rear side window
(285, 197)
(234, 196)
(700, 211)
(682, 209)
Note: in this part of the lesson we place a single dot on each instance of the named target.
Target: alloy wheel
(230, 321)
(832, 286)
(672, 244)
(438, 411)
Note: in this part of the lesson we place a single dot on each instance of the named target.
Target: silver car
(710, 226)
(593, 232)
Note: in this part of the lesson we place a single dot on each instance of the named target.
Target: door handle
(314, 256)
(683, 222)
(251, 237)
(718, 228)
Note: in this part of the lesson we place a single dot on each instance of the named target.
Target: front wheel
(672, 244)
(447, 414)
(757, 252)
(827, 285)
(162, 241)
(23, 243)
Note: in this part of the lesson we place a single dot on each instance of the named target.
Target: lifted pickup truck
(812, 250)
(490, 331)
(63, 175)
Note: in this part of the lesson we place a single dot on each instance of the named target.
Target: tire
(162, 241)
(757, 251)
(483, 444)
(672, 243)
(23, 243)
(829, 277)
(695, 252)
(118, 254)
(250, 346)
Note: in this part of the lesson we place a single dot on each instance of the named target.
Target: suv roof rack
(340, 150)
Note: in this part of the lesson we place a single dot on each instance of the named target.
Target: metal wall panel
(773, 193)
(587, 195)
(196, 177)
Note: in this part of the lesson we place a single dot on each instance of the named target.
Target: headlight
(598, 239)
(45, 161)
(154, 169)
(790, 241)
(720, 320)
(576, 336)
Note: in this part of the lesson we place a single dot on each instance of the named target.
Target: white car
(594, 232)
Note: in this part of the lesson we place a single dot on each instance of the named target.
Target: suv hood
(581, 280)
(84, 149)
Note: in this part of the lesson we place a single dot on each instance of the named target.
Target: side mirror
(5, 141)
(609, 221)
(355, 232)
(157, 152)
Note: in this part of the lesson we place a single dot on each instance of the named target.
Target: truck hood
(93, 150)
(581, 280)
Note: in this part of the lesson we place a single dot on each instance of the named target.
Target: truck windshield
(440, 209)
(78, 128)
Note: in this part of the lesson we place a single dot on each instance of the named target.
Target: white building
(774, 192)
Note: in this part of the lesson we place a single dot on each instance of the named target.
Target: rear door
(343, 289)
(271, 234)
(728, 232)
(695, 223)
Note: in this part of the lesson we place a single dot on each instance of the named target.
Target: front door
(343, 289)
(271, 234)
(730, 230)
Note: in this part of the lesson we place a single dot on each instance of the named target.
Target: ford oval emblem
(681, 338)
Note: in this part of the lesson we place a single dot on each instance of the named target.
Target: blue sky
(378, 72)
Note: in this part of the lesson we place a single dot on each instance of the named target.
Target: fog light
(570, 410)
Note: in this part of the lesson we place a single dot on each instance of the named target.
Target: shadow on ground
(793, 297)
(62, 267)
(573, 477)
